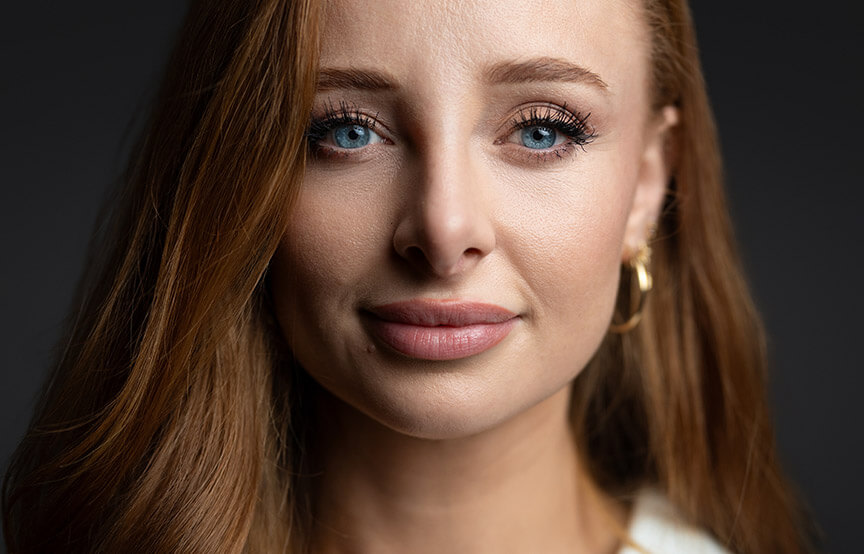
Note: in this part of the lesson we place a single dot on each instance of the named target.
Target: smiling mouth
(440, 329)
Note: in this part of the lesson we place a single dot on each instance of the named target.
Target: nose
(446, 227)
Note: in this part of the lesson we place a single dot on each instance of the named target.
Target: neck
(518, 487)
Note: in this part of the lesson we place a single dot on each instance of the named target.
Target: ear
(653, 177)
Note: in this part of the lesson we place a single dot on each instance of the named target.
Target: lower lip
(442, 342)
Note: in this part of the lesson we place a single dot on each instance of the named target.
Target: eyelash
(333, 118)
(572, 125)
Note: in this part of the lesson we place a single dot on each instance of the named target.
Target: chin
(437, 422)
(442, 406)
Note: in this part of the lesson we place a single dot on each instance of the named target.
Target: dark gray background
(785, 79)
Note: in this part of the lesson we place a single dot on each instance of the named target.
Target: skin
(473, 454)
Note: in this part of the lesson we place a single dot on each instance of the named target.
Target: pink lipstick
(440, 329)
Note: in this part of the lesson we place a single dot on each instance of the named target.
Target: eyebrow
(542, 70)
(357, 79)
(528, 71)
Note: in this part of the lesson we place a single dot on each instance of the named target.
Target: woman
(386, 326)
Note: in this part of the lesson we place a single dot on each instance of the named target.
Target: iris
(352, 136)
(538, 137)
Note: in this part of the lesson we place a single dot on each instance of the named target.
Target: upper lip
(433, 313)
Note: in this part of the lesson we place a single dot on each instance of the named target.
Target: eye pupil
(538, 137)
(351, 136)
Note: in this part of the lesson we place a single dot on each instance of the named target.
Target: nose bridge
(451, 192)
(448, 226)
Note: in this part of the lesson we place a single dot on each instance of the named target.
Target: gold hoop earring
(638, 265)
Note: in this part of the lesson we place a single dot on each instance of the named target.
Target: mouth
(440, 329)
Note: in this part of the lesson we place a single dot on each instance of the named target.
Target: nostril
(444, 236)
(416, 256)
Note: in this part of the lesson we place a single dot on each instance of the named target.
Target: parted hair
(172, 420)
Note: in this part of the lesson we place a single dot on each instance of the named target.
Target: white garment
(658, 529)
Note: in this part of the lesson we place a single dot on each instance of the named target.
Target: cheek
(571, 236)
(331, 242)
(335, 232)
(319, 249)
(570, 244)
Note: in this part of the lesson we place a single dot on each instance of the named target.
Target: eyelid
(323, 126)
(344, 112)
(557, 116)
(572, 126)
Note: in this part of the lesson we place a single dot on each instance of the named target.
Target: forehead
(439, 41)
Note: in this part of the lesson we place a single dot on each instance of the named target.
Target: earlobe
(655, 170)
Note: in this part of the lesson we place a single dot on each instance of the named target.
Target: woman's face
(479, 171)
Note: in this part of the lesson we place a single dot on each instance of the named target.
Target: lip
(440, 329)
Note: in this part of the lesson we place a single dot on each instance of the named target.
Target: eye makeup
(538, 133)
(547, 132)
(338, 124)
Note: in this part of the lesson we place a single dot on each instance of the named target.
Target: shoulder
(656, 528)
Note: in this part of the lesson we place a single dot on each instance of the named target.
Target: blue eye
(539, 137)
(343, 132)
(353, 136)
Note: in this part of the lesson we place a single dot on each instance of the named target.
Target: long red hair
(172, 421)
